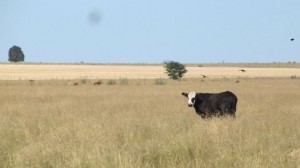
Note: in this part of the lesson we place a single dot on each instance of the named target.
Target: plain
(27, 71)
(147, 123)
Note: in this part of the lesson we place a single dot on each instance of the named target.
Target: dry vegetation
(144, 124)
(98, 71)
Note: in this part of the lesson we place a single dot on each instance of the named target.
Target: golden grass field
(141, 123)
(98, 71)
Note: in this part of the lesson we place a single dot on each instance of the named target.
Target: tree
(15, 54)
(174, 70)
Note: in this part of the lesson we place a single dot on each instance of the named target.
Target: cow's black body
(218, 104)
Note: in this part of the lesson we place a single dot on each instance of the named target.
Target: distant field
(99, 71)
(253, 65)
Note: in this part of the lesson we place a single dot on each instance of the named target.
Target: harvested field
(52, 71)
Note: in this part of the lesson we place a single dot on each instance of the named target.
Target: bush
(111, 82)
(159, 81)
(293, 77)
(174, 70)
(124, 81)
(15, 54)
(83, 80)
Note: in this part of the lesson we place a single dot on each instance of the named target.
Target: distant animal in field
(75, 84)
(98, 83)
(237, 81)
(212, 104)
(31, 81)
(242, 70)
(204, 76)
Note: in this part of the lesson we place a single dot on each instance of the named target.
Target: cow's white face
(191, 98)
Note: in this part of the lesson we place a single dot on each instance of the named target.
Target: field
(98, 71)
(144, 121)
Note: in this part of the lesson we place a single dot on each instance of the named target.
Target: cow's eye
(193, 100)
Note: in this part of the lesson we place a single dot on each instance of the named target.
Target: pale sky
(151, 31)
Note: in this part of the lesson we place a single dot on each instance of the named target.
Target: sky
(151, 31)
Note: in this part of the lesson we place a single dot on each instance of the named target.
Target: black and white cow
(212, 104)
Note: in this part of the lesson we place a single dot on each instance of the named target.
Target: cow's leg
(224, 109)
(228, 108)
(203, 116)
(232, 109)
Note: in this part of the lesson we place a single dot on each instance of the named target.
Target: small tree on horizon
(15, 54)
(174, 70)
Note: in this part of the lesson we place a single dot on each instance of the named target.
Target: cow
(31, 81)
(98, 83)
(212, 104)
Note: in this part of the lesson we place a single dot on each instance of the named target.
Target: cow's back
(226, 96)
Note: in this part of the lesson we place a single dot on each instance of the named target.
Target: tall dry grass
(52, 124)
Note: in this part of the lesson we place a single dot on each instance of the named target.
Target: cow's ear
(185, 94)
